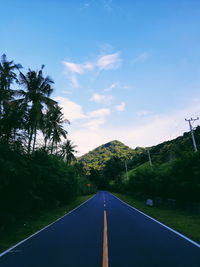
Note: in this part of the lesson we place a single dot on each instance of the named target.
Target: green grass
(28, 226)
(185, 222)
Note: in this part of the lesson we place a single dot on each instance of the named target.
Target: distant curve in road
(77, 240)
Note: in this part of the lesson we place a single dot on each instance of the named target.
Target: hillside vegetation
(38, 169)
(175, 170)
(98, 158)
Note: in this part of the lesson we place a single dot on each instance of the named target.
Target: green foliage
(167, 151)
(97, 158)
(179, 179)
(36, 182)
(175, 172)
(34, 176)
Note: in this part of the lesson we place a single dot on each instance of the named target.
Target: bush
(179, 179)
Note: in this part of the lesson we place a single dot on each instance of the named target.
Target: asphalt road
(76, 240)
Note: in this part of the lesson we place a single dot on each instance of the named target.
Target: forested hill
(168, 151)
(97, 158)
(161, 153)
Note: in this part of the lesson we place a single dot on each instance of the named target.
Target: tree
(36, 96)
(53, 128)
(7, 77)
(67, 150)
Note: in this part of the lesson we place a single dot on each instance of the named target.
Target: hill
(168, 151)
(97, 158)
(175, 172)
(162, 153)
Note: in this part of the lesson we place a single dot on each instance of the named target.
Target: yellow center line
(105, 242)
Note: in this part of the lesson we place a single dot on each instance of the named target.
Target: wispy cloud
(120, 107)
(99, 113)
(111, 61)
(74, 81)
(141, 113)
(112, 86)
(140, 58)
(102, 99)
(105, 48)
(86, 5)
(73, 67)
(108, 5)
(103, 62)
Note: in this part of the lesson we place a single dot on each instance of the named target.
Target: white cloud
(120, 107)
(102, 99)
(88, 66)
(141, 58)
(110, 61)
(72, 111)
(74, 81)
(149, 132)
(93, 125)
(73, 67)
(116, 85)
(141, 113)
(103, 62)
(99, 113)
(105, 48)
(112, 86)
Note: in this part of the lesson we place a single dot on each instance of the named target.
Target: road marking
(105, 242)
(169, 228)
(24, 240)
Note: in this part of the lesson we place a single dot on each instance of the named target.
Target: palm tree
(54, 130)
(7, 77)
(67, 150)
(36, 96)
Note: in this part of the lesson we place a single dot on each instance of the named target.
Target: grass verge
(27, 227)
(185, 222)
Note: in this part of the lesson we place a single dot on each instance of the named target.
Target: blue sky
(123, 69)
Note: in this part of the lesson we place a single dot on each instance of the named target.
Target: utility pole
(126, 169)
(149, 156)
(192, 132)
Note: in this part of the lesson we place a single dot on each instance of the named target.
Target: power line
(192, 132)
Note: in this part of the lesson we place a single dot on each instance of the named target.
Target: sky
(126, 70)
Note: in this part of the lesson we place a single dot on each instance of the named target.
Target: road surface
(104, 232)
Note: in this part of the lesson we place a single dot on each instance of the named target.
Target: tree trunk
(29, 141)
(45, 143)
(52, 146)
(34, 141)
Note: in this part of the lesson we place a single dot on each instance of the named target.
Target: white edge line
(174, 231)
(24, 240)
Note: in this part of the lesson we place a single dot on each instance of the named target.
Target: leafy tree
(67, 150)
